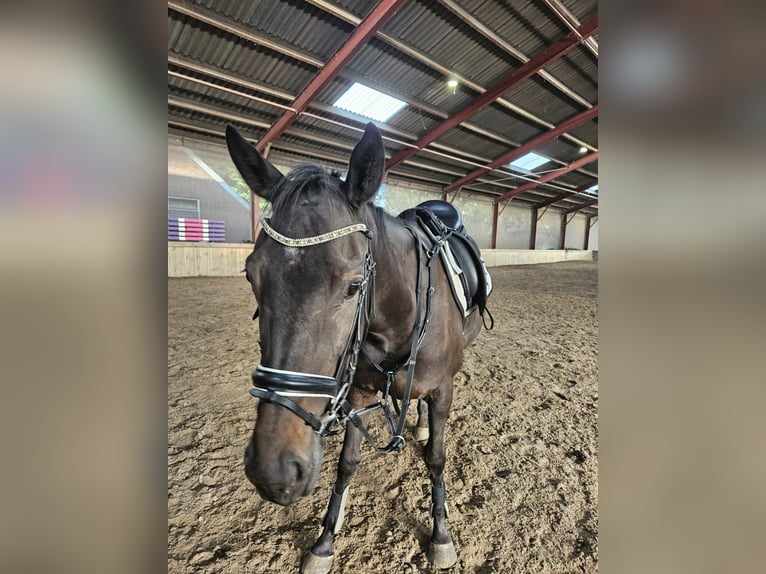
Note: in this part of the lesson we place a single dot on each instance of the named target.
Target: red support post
(367, 27)
(563, 233)
(587, 232)
(533, 230)
(495, 215)
(526, 71)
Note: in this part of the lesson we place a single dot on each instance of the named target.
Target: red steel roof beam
(564, 195)
(578, 163)
(530, 145)
(534, 65)
(579, 207)
(556, 199)
(367, 27)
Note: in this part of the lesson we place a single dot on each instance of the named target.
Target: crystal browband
(316, 240)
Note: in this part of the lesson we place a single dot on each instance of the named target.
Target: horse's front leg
(319, 560)
(442, 550)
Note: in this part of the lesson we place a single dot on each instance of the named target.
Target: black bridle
(280, 387)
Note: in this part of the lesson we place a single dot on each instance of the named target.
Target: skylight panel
(593, 189)
(528, 162)
(360, 99)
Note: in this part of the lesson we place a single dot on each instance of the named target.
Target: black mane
(309, 182)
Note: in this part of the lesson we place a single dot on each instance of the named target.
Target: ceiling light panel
(359, 99)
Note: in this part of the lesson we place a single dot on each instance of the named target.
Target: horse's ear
(365, 168)
(257, 172)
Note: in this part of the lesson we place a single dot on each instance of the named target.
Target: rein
(418, 334)
(280, 386)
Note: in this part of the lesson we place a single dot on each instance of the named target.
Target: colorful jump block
(192, 229)
(184, 237)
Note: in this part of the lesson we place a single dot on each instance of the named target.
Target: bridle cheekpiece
(281, 387)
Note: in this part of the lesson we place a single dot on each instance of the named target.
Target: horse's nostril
(296, 467)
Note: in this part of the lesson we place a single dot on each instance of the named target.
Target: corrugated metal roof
(563, 150)
(298, 23)
(534, 96)
(225, 51)
(434, 30)
(429, 42)
(581, 9)
(461, 138)
(528, 26)
(359, 8)
(401, 74)
(587, 132)
(579, 71)
(499, 120)
(236, 9)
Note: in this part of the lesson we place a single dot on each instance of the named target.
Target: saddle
(469, 278)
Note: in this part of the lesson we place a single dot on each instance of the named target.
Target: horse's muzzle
(286, 477)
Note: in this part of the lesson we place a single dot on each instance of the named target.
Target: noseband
(281, 387)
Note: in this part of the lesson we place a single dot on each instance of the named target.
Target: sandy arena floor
(522, 444)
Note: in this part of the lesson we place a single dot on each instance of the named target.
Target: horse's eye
(353, 288)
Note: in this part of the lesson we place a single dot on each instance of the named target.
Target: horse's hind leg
(420, 433)
(319, 560)
(442, 550)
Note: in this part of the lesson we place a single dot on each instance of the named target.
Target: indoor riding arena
(490, 106)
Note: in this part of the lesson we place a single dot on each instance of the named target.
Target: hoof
(443, 555)
(313, 564)
(420, 434)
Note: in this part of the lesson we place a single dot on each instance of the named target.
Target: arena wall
(575, 232)
(187, 179)
(205, 172)
(593, 238)
(228, 259)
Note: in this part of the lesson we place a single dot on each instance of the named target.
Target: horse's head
(307, 299)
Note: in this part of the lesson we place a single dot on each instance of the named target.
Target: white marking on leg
(341, 513)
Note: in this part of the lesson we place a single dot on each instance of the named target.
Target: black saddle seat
(446, 212)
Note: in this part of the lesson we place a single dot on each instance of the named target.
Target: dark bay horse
(333, 337)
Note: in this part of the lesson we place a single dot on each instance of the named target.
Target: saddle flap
(475, 275)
